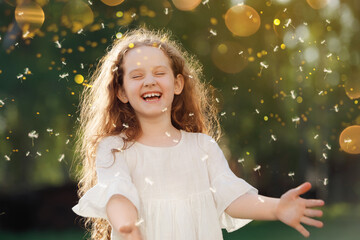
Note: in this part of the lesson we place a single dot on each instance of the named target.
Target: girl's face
(149, 84)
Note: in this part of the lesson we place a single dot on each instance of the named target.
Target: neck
(158, 131)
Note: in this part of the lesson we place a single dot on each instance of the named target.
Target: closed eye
(160, 73)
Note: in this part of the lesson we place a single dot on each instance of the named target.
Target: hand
(130, 232)
(293, 210)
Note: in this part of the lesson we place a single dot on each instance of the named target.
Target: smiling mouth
(149, 97)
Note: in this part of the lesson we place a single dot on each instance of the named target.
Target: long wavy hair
(103, 114)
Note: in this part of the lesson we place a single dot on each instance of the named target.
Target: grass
(340, 222)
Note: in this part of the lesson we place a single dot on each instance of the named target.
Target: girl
(150, 169)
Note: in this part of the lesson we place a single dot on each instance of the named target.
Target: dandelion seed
(2, 102)
(261, 199)
(241, 52)
(27, 71)
(80, 31)
(139, 222)
(326, 181)
(257, 111)
(328, 146)
(291, 174)
(64, 63)
(300, 68)
(241, 160)
(67, 141)
(213, 32)
(114, 125)
(115, 69)
(205, 2)
(81, 65)
(285, 9)
(90, 2)
(327, 70)
(273, 137)
(125, 125)
(235, 88)
(262, 64)
(20, 13)
(62, 156)
(27, 153)
(257, 169)
(217, 100)
(57, 134)
(336, 108)
(148, 181)
(223, 113)
(167, 134)
(133, 15)
(301, 40)
(321, 92)
(324, 155)
(348, 140)
(16, 44)
(166, 11)
(288, 22)
(58, 45)
(329, 55)
(191, 114)
(49, 130)
(175, 140)
(19, 76)
(26, 34)
(102, 25)
(164, 110)
(33, 134)
(322, 42)
(327, 21)
(64, 75)
(190, 76)
(205, 157)
(38, 153)
(7, 158)
(305, 23)
(316, 136)
(276, 48)
(293, 94)
(212, 189)
(295, 119)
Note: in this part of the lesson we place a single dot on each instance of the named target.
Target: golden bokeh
(317, 4)
(352, 88)
(242, 20)
(350, 139)
(112, 3)
(30, 17)
(77, 15)
(186, 5)
(229, 57)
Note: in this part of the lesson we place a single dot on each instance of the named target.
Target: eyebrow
(140, 68)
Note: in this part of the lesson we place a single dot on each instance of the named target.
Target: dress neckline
(182, 133)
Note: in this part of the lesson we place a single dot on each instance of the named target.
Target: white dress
(180, 192)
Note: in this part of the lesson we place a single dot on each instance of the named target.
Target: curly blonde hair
(103, 114)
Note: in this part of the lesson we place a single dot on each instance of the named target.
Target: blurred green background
(286, 92)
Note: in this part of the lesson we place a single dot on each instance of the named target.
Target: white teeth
(151, 95)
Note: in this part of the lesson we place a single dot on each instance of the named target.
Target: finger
(313, 213)
(302, 230)
(314, 203)
(303, 188)
(311, 222)
(127, 229)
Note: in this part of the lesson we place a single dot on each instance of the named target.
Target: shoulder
(110, 142)
(202, 140)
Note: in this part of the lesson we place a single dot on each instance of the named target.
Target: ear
(179, 84)
(122, 95)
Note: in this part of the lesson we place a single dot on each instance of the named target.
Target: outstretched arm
(291, 209)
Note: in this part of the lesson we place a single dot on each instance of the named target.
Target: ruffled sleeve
(225, 185)
(113, 178)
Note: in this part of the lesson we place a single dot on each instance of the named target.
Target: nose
(149, 81)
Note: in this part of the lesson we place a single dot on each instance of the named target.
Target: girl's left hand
(294, 210)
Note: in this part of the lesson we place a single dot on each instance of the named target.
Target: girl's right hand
(131, 232)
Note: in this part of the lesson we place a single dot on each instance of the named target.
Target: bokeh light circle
(112, 3)
(242, 20)
(30, 17)
(229, 57)
(77, 15)
(317, 4)
(79, 79)
(350, 139)
(352, 88)
(186, 5)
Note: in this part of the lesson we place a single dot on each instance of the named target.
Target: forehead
(145, 56)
